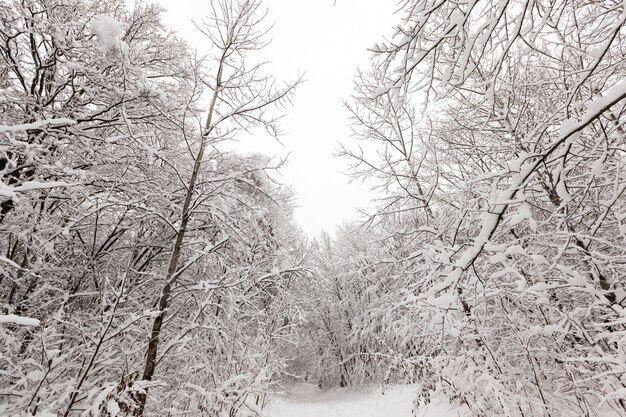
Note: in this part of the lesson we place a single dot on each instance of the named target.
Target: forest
(147, 270)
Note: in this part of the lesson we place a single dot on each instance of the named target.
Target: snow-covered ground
(306, 400)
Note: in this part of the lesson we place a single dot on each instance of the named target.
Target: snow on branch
(63, 121)
(22, 321)
(10, 192)
(595, 109)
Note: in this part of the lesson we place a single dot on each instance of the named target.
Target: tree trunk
(170, 278)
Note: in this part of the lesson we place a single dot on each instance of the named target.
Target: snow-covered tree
(499, 126)
(136, 242)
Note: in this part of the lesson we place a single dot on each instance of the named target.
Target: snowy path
(306, 400)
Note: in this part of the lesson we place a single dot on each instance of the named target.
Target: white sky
(327, 40)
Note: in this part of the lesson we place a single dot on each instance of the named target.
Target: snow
(444, 301)
(112, 408)
(4, 259)
(307, 400)
(109, 32)
(37, 185)
(10, 192)
(523, 213)
(22, 321)
(597, 106)
(457, 18)
(62, 121)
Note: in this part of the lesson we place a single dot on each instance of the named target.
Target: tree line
(145, 270)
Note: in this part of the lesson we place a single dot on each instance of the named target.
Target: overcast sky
(327, 40)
